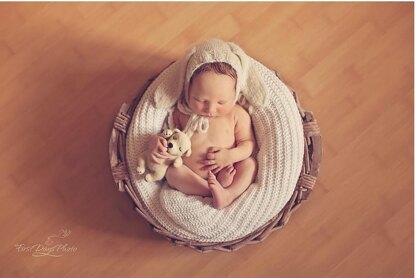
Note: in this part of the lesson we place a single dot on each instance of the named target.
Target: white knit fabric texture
(279, 134)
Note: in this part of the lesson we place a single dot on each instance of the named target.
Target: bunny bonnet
(250, 88)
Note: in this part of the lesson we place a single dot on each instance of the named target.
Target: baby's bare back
(221, 133)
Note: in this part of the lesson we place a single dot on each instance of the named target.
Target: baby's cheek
(200, 108)
(195, 107)
(224, 110)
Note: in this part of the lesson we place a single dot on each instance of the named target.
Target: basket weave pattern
(305, 184)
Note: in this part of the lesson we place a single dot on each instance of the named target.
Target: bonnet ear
(171, 81)
(252, 86)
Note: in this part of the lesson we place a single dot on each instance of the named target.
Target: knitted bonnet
(250, 88)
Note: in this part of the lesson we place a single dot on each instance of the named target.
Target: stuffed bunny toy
(179, 144)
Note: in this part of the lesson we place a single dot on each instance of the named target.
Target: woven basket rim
(305, 184)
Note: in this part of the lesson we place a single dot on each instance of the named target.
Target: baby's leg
(246, 172)
(187, 181)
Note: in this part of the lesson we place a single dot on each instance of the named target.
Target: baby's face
(212, 94)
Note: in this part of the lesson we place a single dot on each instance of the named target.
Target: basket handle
(117, 160)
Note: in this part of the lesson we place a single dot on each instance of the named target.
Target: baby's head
(212, 89)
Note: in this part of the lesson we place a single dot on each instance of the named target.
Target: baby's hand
(217, 159)
(158, 148)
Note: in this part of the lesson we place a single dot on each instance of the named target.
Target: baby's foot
(226, 176)
(221, 197)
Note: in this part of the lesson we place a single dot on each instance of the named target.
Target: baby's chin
(216, 115)
(210, 116)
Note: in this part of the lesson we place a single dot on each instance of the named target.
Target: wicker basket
(305, 184)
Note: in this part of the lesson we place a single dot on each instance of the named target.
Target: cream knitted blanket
(279, 133)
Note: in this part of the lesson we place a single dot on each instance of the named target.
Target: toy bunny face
(179, 144)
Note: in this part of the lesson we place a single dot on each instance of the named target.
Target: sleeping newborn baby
(221, 165)
(221, 133)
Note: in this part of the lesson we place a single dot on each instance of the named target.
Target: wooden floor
(66, 68)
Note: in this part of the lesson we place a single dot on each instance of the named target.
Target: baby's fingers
(163, 142)
(154, 158)
(230, 168)
(156, 154)
(215, 171)
(207, 162)
(161, 148)
(210, 168)
(161, 155)
(213, 149)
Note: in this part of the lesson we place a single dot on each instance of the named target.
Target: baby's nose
(170, 145)
(210, 110)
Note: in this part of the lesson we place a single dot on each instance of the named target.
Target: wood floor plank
(66, 68)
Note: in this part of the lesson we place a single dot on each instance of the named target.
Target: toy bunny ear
(188, 153)
(252, 87)
(176, 130)
(171, 81)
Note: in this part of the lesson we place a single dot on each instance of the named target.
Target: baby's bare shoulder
(241, 115)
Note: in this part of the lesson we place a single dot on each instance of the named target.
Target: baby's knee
(250, 164)
(171, 175)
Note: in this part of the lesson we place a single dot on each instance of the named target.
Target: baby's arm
(218, 158)
(244, 136)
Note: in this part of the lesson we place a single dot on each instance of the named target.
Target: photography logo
(54, 246)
